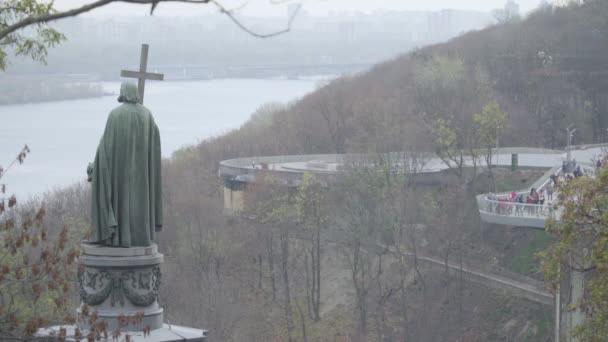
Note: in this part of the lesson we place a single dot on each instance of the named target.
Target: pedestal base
(167, 333)
(151, 318)
(118, 284)
(121, 286)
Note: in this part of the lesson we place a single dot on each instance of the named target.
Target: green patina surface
(126, 176)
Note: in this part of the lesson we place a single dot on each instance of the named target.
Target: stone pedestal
(122, 284)
(119, 283)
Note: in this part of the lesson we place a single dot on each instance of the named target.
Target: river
(63, 135)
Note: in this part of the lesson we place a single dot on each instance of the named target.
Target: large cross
(142, 75)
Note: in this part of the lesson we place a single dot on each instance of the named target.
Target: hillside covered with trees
(268, 275)
(544, 71)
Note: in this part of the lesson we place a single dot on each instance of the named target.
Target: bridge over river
(290, 71)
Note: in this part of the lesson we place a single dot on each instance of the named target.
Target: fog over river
(63, 136)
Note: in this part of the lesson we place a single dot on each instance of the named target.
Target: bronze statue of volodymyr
(126, 200)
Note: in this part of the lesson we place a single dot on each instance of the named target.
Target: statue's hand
(90, 172)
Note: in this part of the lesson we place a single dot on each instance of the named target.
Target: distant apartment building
(512, 9)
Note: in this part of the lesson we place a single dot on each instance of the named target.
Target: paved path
(523, 287)
(526, 289)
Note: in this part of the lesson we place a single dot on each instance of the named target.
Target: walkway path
(528, 288)
(521, 287)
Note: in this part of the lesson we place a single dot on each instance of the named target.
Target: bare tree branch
(230, 15)
(9, 8)
(32, 20)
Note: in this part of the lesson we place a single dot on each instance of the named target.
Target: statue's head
(128, 93)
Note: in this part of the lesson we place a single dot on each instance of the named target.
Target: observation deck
(428, 169)
(498, 209)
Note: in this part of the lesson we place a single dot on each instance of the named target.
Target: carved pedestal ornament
(140, 287)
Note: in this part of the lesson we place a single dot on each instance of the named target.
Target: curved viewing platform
(493, 208)
(504, 210)
(291, 168)
(500, 209)
(427, 167)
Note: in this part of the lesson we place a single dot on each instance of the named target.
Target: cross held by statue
(142, 75)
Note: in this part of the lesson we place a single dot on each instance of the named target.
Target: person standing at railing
(578, 172)
(512, 200)
(502, 206)
(519, 204)
(491, 204)
(555, 180)
(550, 190)
(534, 196)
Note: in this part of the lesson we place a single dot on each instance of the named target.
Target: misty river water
(63, 135)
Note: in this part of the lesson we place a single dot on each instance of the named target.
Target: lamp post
(569, 135)
(497, 129)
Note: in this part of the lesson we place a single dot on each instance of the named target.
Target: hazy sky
(319, 7)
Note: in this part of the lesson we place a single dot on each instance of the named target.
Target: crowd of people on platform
(518, 204)
(601, 164)
(537, 201)
(572, 170)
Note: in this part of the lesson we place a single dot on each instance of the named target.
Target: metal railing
(517, 209)
(504, 205)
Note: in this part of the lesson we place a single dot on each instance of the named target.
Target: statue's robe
(126, 176)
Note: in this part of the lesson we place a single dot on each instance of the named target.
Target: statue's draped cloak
(126, 177)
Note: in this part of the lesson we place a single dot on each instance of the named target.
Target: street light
(569, 136)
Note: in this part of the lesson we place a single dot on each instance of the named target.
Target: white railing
(505, 206)
(517, 209)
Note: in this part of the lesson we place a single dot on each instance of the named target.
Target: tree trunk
(286, 285)
(260, 271)
(358, 274)
(317, 275)
(309, 290)
(270, 249)
(303, 320)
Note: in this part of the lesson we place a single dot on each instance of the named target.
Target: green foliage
(489, 123)
(582, 244)
(454, 144)
(310, 203)
(34, 40)
(440, 74)
(37, 267)
(263, 116)
(445, 136)
(486, 127)
(362, 190)
(269, 202)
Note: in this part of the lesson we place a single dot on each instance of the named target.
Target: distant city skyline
(314, 7)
